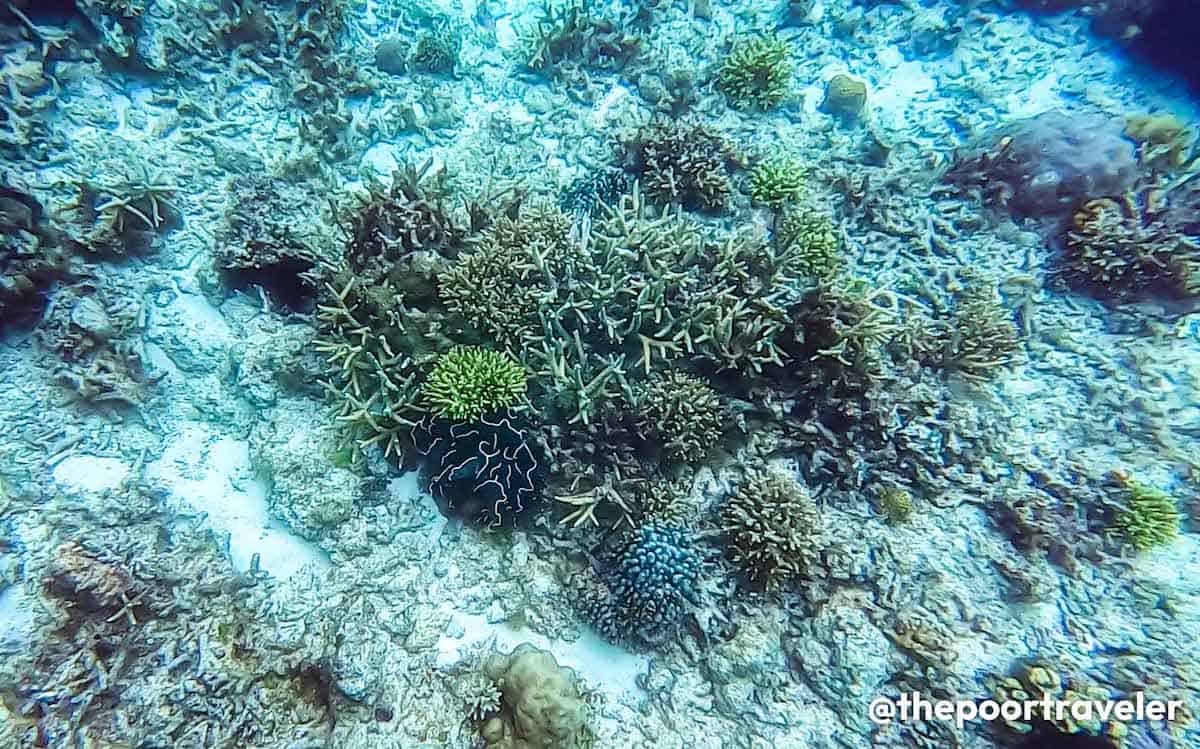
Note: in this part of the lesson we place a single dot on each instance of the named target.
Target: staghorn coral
(679, 414)
(541, 705)
(979, 338)
(777, 180)
(494, 286)
(685, 164)
(1128, 250)
(1149, 518)
(468, 383)
(392, 222)
(489, 470)
(570, 34)
(757, 74)
(773, 528)
(125, 215)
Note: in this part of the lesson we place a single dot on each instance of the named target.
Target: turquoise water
(496, 374)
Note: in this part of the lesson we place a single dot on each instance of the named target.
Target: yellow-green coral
(896, 504)
(806, 238)
(1150, 517)
(757, 73)
(468, 382)
(776, 180)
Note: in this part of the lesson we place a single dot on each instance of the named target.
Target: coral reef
(651, 584)
(1048, 165)
(591, 193)
(1149, 517)
(773, 526)
(266, 243)
(541, 705)
(809, 241)
(468, 383)
(31, 257)
(570, 36)
(896, 504)
(678, 414)
(687, 164)
(490, 470)
(776, 180)
(979, 337)
(757, 73)
(1122, 250)
(1041, 681)
(436, 50)
(1164, 141)
(90, 333)
(124, 215)
(845, 96)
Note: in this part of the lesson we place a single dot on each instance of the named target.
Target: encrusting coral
(773, 527)
(757, 73)
(468, 383)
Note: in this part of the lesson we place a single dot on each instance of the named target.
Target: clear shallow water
(378, 374)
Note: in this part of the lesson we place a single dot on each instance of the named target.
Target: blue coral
(652, 584)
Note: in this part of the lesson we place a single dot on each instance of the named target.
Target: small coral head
(468, 382)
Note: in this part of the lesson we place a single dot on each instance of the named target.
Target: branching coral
(1150, 517)
(776, 180)
(124, 216)
(679, 414)
(980, 337)
(757, 73)
(490, 470)
(1123, 250)
(569, 34)
(808, 243)
(688, 164)
(498, 287)
(774, 528)
(468, 383)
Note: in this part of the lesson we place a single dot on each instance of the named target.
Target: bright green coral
(1150, 517)
(776, 180)
(468, 382)
(808, 242)
(758, 73)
